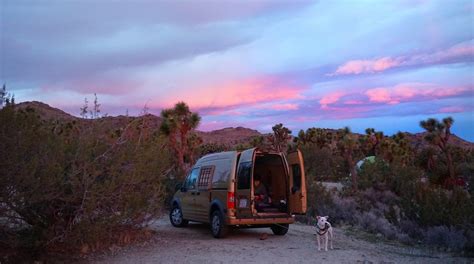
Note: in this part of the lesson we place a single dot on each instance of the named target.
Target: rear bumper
(260, 221)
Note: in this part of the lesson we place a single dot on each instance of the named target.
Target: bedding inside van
(270, 170)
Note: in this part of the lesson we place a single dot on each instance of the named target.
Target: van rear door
(298, 202)
(244, 183)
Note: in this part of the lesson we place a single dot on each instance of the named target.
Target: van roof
(219, 155)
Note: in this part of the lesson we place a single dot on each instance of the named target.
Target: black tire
(176, 217)
(280, 229)
(218, 227)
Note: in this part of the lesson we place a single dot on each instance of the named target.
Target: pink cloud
(455, 53)
(452, 109)
(331, 99)
(379, 95)
(284, 107)
(231, 94)
(413, 92)
(353, 102)
(366, 66)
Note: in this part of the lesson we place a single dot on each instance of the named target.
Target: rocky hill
(229, 136)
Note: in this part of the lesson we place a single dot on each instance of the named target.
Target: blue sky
(382, 64)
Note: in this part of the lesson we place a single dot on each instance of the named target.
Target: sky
(381, 64)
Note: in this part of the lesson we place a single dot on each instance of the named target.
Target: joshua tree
(96, 111)
(438, 135)
(347, 146)
(401, 149)
(6, 98)
(371, 141)
(84, 108)
(320, 137)
(179, 124)
(280, 137)
(3, 95)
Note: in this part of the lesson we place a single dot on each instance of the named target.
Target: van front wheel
(218, 227)
(280, 229)
(176, 217)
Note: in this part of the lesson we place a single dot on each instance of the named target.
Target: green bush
(374, 175)
(322, 164)
(69, 185)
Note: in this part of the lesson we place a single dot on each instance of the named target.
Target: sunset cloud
(367, 66)
(236, 93)
(457, 53)
(330, 99)
(415, 92)
(284, 107)
(452, 109)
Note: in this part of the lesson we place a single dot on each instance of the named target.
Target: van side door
(202, 195)
(188, 195)
(244, 183)
(297, 180)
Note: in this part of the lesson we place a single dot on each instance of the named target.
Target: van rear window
(222, 173)
(243, 179)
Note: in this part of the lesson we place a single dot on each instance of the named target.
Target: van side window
(221, 173)
(243, 181)
(205, 177)
(296, 176)
(191, 180)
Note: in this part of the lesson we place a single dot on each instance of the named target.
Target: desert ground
(195, 244)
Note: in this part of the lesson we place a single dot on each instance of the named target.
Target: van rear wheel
(280, 229)
(176, 217)
(218, 227)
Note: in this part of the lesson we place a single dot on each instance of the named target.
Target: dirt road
(194, 244)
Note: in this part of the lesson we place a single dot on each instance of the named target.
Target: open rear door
(244, 183)
(298, 202)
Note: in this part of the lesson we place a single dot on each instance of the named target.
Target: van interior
(269, 168)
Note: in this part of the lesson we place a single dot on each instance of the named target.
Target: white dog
(324, 230)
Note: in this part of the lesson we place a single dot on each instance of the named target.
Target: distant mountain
(229, 136)
(47, 112)
(418, 141)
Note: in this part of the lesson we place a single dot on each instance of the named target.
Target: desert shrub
(404, 180)
(319, 200)
(374, 175)
(375, 223)
(344, 210)
(443, 236)
(65, 185)
(208, 148)
(322, 164)
(412, 229)
(433, 206)
(469, 247)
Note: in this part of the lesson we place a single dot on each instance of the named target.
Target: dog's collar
(322, 231)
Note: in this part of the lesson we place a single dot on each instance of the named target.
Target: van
(220, 191)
